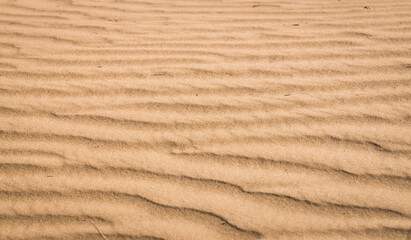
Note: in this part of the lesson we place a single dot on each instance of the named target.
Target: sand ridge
(214, 119)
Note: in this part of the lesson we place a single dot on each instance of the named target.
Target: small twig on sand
(102, 235)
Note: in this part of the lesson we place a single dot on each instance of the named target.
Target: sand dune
(212, 119)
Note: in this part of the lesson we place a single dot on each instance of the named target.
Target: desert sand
(212, 119)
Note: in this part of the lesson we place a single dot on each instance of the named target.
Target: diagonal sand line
(102, 235)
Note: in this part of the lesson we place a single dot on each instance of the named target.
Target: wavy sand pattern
(211, 119)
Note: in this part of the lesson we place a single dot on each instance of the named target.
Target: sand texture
(205, 119)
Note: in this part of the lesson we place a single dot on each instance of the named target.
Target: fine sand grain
(205, 119)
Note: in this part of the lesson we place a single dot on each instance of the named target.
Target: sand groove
(212, 119)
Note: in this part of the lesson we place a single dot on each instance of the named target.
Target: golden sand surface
(211, 119)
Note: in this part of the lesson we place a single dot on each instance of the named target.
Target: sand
(217, 119)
